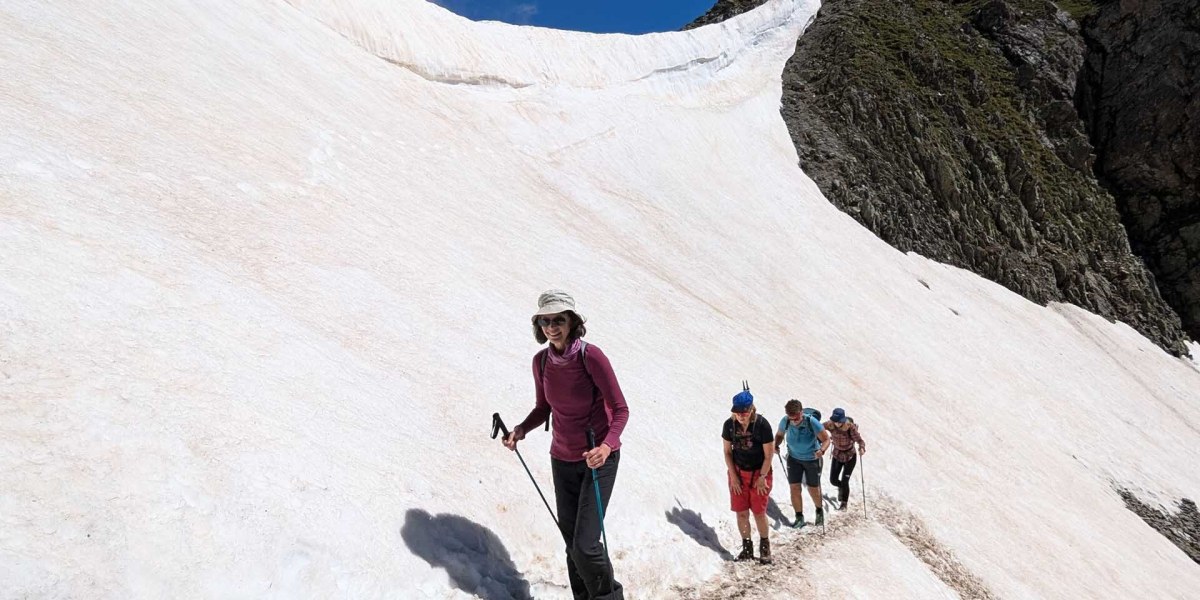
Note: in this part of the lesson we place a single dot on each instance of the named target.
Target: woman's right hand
(516, 435)
(735, 483)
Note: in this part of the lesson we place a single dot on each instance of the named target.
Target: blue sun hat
(743, 401)
(838, 416)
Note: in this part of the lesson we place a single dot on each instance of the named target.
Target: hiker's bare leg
(797, 497)
(763, 530)
(743, 520)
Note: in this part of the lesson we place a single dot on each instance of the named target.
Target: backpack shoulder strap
(583, 357)
(790, 425)
(542, 363)
(542, 375)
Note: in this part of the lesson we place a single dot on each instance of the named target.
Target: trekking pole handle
(498, 426)
(591, 439)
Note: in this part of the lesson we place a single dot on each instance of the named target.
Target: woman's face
(743, 418)
(555, 327)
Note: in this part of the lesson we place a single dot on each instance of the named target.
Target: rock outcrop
(1139, 94)
(950, 129)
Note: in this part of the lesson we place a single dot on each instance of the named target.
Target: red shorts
(750, 499)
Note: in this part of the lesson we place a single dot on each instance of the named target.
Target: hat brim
(742, 409)
(553, 308)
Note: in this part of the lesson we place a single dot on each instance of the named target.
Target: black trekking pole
(863, 480)
(498, 426)
(784, 467)
(820, 474)
(596, 486)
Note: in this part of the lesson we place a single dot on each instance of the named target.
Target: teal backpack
(814, 413)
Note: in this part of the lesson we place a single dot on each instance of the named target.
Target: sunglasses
(556, 321)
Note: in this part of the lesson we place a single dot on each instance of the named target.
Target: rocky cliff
(950, 129)
(1139, 94)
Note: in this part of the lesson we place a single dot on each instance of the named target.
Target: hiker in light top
(807, 441)
(748, 448)
(576, 386)
(845, 434)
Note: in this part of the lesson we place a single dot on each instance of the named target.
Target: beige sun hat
(552, 302)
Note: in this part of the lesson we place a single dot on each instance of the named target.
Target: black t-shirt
(748, 446)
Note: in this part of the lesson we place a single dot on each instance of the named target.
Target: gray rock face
(1181, 527)
(1139, 93)
(949, 129)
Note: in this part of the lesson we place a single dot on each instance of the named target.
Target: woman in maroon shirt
(577, 389)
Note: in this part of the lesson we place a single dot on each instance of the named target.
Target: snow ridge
(442, 46)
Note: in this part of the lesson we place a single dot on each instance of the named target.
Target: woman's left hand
(761, 486)
(596, 457)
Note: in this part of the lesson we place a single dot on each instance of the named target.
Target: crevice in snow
(704, 60)
(457, 79)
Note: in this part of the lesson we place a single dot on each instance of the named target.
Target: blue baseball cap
(838, 416)
(742, 402)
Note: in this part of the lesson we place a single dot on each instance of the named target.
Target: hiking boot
(764, 551)
(747, 550)
(820, 517)
(842, 505)
(799, 522)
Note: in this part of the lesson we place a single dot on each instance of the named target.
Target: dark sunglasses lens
(546, 322)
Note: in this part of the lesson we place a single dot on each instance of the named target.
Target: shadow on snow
(691, 523)
(474, 558)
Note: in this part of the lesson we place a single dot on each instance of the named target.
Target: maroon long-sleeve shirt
(566, 391)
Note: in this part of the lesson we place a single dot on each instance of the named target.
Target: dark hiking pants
(839, 475)
(588, 567)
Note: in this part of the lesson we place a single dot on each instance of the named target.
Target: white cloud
(522, 13)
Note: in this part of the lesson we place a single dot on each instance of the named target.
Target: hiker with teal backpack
(576, 385)
(807, 441)
(844, 433)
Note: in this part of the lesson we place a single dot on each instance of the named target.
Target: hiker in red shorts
(749, 445)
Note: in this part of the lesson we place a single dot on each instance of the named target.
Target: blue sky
(601, 16)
